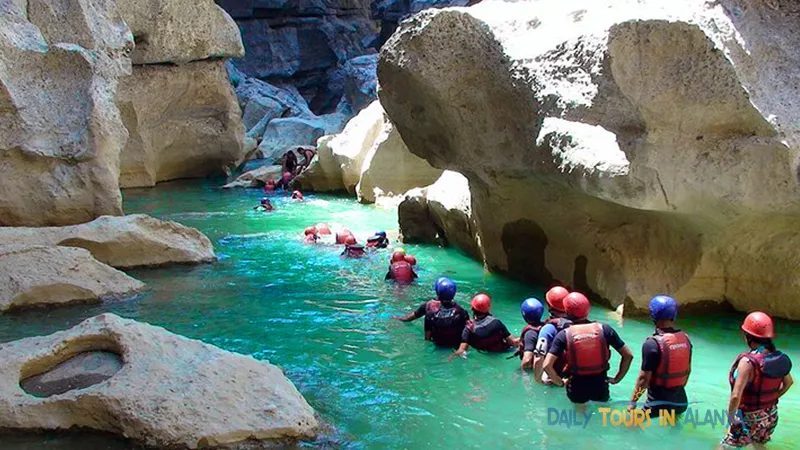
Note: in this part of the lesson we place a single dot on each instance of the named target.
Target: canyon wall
(625, 148)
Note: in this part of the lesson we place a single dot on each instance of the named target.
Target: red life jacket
(762, 391)
(528, 327)
(676, 360)
(587, 349)
(445, 324)
(561, 323)
(401, 271)
(494, 342)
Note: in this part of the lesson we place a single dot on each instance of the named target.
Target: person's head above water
(350, 240)
(481, 304)
(381, 234)
(287, 177)
(532, 310)
(310, 230)
(354, 250)
(265, 201)
(323, 228)
(398, 256)
(663, 310)
(577, 306)
(445, 289)
(555, 299)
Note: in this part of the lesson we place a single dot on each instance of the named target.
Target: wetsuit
(656, 395)
(487, 334)
(583, 388)
(289, 162)
(444, 322)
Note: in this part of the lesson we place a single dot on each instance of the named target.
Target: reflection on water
(326, 321)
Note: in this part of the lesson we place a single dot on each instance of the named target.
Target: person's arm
(624, 364)
(550, 369)
(744, 372)
(413, 315)
(527, 361)
(788, 381)
(511, 340)
(389, 275)
(651, 357)
(462, 349)
(642, 382)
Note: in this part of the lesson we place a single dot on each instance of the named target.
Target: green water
(327, 323)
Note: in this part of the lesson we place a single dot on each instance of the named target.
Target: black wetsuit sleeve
(465, 335)
(529, 341)
(651, 355)
(559, 344)
(389, 276)
(420, 312)
(503, 329)
(612, 338)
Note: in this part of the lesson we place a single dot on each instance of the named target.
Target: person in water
(270, 186)
(400, 269)
(265, 205)
(297, 195)
(311, 236)
(759, 377)
(486, 332)
(666, 362)
(323, 229)
(285, 182)
(444, 318)
(379, 240)
(352, 249)
(308, 155)
(289, 163)
(553, 325)
(585, 347)
(532, 311)
(343, 235)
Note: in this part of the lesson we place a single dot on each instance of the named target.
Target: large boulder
(256, 178)
(626, 148)
(171, 392)
(41, 275)
(184, 122)
(130, 241)
(361, 81)
(391, 12)
(170, 31)
(60, 129)
(283, 135)
(389, 169)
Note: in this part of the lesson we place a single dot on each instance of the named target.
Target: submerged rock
(184, 122)
(171, 391)
(60, 129)
(129, 241)
(38, 275)
(626, 148)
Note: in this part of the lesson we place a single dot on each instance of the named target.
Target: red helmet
(411, 260)
(398, 256)
(759, 324)
(350, 240)
(287, 176)
(323, 228)
(577, 305)
(555, 298)
(481, 303)
(310, 230)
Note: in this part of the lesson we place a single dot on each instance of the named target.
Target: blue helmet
(532, 310)
(445, 288)
(381, 233)
(663, 308)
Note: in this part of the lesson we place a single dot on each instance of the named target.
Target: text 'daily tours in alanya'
(620, 416)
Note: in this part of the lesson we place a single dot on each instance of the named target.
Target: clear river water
(326, 321)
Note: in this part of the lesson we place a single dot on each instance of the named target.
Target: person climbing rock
(297, 195)
(379, 240)
(532, 310)
(400, 269)
(666, 362)
(265, 205)
(308, 155)
(553, 325)
(485, 332)
(444, 318)
(759, 377)
(289, 163)
(285, 182)
(311, 236)
(585, 347)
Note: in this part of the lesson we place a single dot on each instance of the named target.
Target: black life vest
(494, 342)
(445, 324)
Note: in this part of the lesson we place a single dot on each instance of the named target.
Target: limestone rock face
(283, 135)
(369, 159)
(169, 31)
(232, 398)
(361, 81)
(391, 12)
(129, 241)
(255, 178)
(626, 148)
(41, 275)
(60, 129)
(184, 122)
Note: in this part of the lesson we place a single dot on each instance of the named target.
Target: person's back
(488, 334)
(445, 321)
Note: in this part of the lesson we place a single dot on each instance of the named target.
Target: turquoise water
(326, 321)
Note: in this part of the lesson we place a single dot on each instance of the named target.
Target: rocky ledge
(148, 385)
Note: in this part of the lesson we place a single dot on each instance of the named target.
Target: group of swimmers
(569, 350)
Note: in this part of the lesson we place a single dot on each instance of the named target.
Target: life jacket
(762, 391)
(372, 242)
(494, 342)
(561, 323)
(401, 271)
(676, 360)
(587, 350)
(528, 327)
(445, 324)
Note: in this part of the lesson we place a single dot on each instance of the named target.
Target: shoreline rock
(232, 399)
